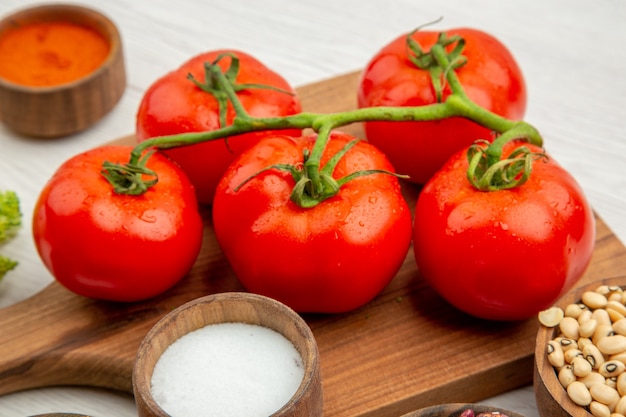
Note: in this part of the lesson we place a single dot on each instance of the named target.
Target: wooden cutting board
(404, 350)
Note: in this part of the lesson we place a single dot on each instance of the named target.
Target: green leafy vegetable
(10, 222)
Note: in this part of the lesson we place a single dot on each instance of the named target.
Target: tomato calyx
(130, 178)
(426, 60)
(488, 170)
(491, 173)
(314, 185)
(215, 80)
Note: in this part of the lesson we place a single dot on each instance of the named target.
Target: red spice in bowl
(62, 69)
(44, 54)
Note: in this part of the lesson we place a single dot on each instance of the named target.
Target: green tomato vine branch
(488, 170)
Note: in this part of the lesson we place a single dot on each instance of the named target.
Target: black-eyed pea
(619, 327)
(615, 296)
(621, 386)
(566, 376)
(617, 415)
(617, 306)
(594, 300)
(593, 355)
(612, 368)
(575, 310)
(571, 354)
(614, 315)
(620, 407)
(609, 290)
(585, 315)
(597, 409)
(611, 345)
(581, 367)
(618, 357)
(587, 328)
(603, 330)
(592, 379)
(605, 395)
(579, 393)
(611, 382)
(602, 316)
(555, 354)
(551, 317)
(569, 328)
(616, 311)
(615, 289)
(583, 341)
(567, 343)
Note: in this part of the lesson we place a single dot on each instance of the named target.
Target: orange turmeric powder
(50, 53)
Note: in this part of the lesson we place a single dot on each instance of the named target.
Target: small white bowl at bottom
(234, 307)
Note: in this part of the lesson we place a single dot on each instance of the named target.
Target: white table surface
(571, 53)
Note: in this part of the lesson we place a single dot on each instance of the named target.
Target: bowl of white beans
(233, 353)
(580, 354)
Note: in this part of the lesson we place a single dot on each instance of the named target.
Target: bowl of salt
(232, 353)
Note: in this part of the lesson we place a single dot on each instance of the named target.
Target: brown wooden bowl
(231, 307)
(552, 399)
(455, 410)
(64, 109)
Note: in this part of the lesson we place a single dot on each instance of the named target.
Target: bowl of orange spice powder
(62, 69)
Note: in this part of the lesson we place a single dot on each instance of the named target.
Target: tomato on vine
(503, 251)
(403, 73)
(102, 243)
(331, 256)
(319, 222)
(183, 101)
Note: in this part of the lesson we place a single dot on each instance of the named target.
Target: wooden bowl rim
(310, 355)
(60, 415)
(544, 371)
(455, 409)
(38, 13)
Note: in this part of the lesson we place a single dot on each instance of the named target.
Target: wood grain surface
(404, 350)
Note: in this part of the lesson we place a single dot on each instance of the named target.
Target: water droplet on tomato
(148, 217)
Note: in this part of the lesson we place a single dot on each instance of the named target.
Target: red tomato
(508, 254)
(109, 246)
(491, 78)
(331, 258)
(174, 104)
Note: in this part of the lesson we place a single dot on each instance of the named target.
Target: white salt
(229, 369)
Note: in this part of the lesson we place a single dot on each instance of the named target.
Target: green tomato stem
(457, 104)
(316, 121)
(218, 76)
